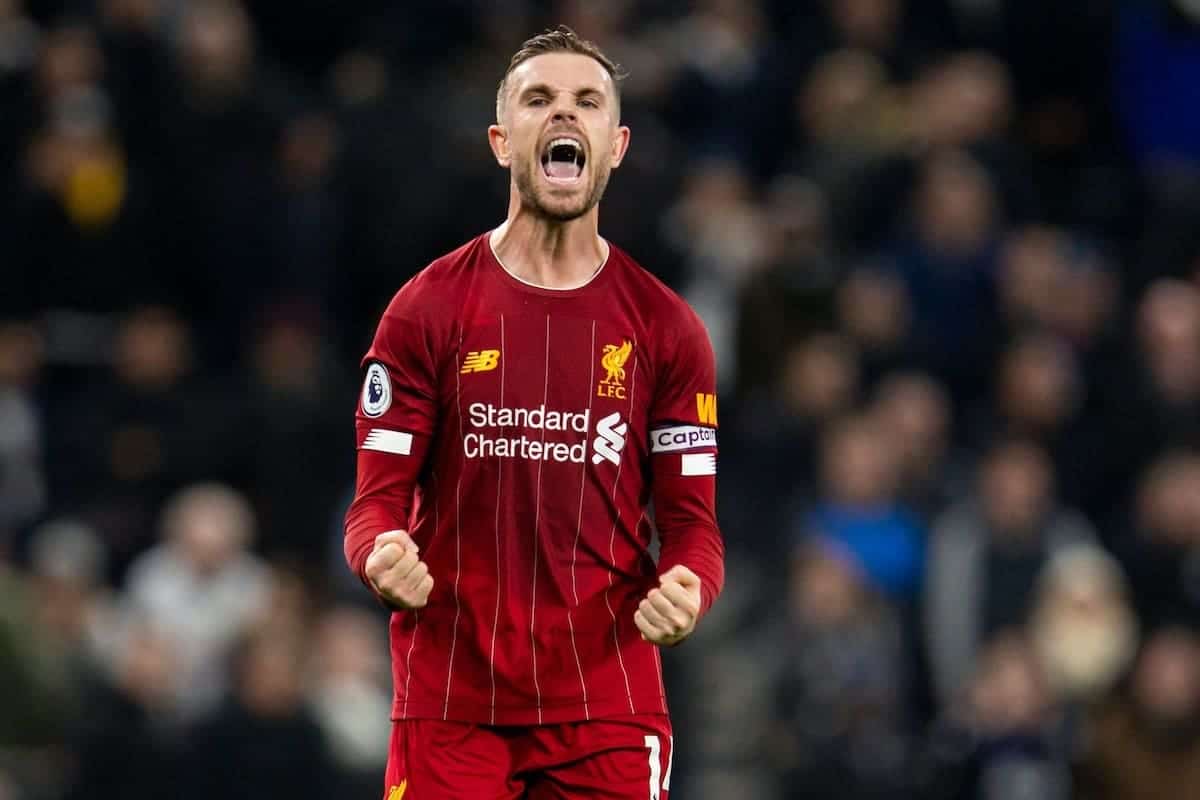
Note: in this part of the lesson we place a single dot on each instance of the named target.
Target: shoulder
(673, 324)
(661, 302)
(459, 263)
(152, 573)
(437, 288)
(961, 523)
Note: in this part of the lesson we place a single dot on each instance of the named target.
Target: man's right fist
(396, 572)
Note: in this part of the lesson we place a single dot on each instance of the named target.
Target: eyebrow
(546, 89)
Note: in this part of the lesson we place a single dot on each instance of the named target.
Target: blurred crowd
(948, 252)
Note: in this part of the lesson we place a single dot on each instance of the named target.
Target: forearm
(700, 549)
(366, 519)
(383, 499)
(685, 516)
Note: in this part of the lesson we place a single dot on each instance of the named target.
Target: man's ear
(498, 139)
(620, 145)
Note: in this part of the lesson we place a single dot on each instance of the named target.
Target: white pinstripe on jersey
(499, 482)
(612, 536)
(537, 516)
(578, 530)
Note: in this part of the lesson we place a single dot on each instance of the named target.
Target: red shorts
(627, 758)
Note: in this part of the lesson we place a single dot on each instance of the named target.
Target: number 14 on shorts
(660, 782)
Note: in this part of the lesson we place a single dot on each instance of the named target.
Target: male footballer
(526, 399)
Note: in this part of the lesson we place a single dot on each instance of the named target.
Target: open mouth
(563, 160)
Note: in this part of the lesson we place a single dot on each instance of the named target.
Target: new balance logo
(481, 361)
(706, 409)
(610, 439)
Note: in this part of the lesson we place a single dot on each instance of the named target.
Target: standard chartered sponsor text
(486, 415)
(479, 444)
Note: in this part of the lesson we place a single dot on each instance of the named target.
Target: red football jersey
(520, 433)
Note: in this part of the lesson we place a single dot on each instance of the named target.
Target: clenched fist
(668, 614)
(396, 571)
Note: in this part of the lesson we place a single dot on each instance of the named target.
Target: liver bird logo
(613, 361)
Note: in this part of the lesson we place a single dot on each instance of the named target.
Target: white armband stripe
(698, 464)
(385, 441)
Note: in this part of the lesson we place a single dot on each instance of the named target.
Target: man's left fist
(668, 614)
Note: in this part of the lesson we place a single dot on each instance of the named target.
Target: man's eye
(589, 103)
(537, 101)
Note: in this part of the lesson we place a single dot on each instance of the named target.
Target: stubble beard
(533, 200)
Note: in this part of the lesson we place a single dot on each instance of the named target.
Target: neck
(547, 253)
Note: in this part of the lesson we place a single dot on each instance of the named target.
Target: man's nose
(564, 113)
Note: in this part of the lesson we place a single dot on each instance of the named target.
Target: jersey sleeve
(683, 453)
(394, 422)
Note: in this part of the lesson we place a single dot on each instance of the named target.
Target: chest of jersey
(550, 387)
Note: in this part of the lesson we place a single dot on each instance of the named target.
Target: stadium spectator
(40, 691)
(817, 379)
(719, 236)
(1039, 395)
(946, 260)
(221, 124)
(985, 558)
(855, 137)
(151, 424)
(1005, 738)
(1082, 627)
(83, 202)
(263, 740)
(792, 296)
(1052, 283)
(860, 510)
(915, 413)
(23, 492)
(125, 746)
(840, 699)
(75, 606)
(291, 423)
(1155, 405)
(200, 587)
(1159, 549)
(874, 310)
(348, 695)
(1145, 744)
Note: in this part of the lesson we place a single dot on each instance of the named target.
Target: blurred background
(948, 252)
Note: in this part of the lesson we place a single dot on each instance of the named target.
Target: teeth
(563, 140)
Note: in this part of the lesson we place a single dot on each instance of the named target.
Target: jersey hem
(572, 712)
